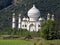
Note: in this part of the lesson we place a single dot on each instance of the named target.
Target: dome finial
(33, 5)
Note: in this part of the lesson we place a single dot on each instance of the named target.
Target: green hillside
(5, 3)
(45, 6)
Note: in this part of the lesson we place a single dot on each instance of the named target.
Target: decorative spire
(13, 14)
(52, 17)
(33, 6)
(48, 16)
(19, 14)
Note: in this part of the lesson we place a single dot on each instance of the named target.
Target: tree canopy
(48, 29)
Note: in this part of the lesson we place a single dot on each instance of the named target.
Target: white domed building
(33, 23)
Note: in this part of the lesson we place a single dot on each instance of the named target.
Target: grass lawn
(26, 42)
(16, 42)
(49, 42)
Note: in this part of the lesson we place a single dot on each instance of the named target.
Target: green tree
(48, 30)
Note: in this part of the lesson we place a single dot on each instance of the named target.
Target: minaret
(19, 21)
(48, 16)
(13, 21)
(52, 17)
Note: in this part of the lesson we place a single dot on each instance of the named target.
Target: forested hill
(22, 6)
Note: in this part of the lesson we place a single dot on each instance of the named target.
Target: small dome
(33, 12)
(41, 19)
(25, 19)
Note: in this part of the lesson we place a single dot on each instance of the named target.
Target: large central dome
(33, 12)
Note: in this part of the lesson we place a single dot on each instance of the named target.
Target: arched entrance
(32, 27)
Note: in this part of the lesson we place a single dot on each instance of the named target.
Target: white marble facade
(33, 23)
